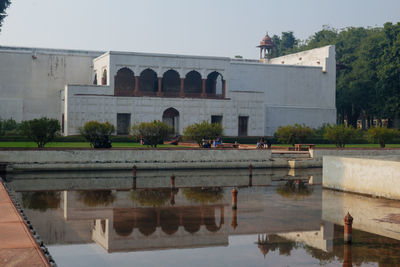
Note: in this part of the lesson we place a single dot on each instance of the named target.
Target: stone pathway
(17, 246)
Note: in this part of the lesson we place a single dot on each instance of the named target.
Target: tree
(381, 135)
(204, 130)
(41, 131)
(152, 133)
(3, 6)
(292, 134)
(98, 134)
(8, 127)
(340, 134)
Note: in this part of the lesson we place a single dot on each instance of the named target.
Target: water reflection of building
(160, 228)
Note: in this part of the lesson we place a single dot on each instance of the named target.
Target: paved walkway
(17, 246)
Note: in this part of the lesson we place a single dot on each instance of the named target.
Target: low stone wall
(36, 160)
(318, 154)
(372, 176)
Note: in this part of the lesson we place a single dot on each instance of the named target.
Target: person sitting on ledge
(217, 141)
(205, 143)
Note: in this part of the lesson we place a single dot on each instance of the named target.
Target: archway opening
(124, 82)
(171, 82)
(148, 81)
(169, 221)
(104, 78)
(123, 221)
(171, 118)
(193, 82)
(214, 83)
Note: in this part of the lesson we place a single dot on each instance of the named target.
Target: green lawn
(73, 144)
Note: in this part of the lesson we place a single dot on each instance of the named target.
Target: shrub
(381, 135)
(152, 133)
(292, 134)
(41, 131)
(98, 134)
(204, 130)
(340, 134)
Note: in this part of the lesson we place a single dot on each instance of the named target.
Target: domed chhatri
(266, 46)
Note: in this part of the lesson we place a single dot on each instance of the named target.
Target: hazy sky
(205, 27)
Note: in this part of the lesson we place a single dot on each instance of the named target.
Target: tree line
(368, 69)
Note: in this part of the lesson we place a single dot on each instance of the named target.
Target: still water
(284, 218)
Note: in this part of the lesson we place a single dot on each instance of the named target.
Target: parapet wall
(372, 176)
(90, 159)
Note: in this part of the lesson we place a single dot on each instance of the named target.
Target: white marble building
(249, 97)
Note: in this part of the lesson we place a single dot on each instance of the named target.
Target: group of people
(262, 143)
(207, 143)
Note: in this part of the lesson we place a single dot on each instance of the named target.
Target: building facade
(248, 97)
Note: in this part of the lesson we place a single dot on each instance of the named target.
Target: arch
(193, 82)
(169, 221)
(171, 82)
(148, 81)
(104, 77)
(210, 220)
(124, 82)
(147, 221)
(191, 220)
(171, 118)
(214, 83)
(124, 221)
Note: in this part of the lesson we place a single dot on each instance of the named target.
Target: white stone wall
(298, 91)
(31, 80)
(86, 103)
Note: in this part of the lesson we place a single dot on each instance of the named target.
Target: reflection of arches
(193, 82)
(124, 221)
(210, 220)
(171, 118)
(191, 220)
(103, 226)
(171, 82)
(124, 82)
(104, 78)
(147, 221)
(169, 221)
(148, 81)
(214, 83)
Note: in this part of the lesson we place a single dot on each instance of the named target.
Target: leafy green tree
(151, 197)
(96, 198)
(8, 127)
(204, 130)
(41, 201)
(340, 134)
(292, 134)
(382, 135)
(152, 133)
(97, 134)
(3, 6)
(41, 131)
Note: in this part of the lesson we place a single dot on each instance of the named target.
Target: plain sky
(206, 27)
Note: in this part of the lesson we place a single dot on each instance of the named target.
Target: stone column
(136, 91)
(203, 88)
(182, 92)
(223, 88)
(159, 93)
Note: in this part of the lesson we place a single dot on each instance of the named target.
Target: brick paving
(17, 245)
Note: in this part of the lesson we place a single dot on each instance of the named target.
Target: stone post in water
(172, 181)
(348, 222)
(234, 198)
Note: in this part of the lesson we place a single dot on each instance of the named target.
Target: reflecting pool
(185, 218)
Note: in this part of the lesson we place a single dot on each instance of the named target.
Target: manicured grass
(73, 145)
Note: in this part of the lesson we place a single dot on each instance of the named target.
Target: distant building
(248, 97)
